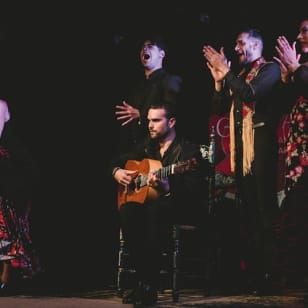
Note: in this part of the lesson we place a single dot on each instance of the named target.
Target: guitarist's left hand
(162, 185)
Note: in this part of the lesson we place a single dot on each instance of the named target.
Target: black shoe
(266, 287)
(148, 297)
(5, 289)
(132, 296)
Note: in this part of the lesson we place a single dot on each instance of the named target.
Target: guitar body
(138, 191)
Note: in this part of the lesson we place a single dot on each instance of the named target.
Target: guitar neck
(164, 172)
(161, 173)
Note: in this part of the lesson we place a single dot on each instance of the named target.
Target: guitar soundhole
(138, 182)
(135, 185)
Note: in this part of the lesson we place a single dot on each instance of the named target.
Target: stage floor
(290, 298)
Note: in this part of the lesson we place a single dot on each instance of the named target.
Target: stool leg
(175, 270)
(120, 265)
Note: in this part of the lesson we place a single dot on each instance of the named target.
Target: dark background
(64, 67)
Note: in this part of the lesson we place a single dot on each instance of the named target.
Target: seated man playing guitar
(158, 181)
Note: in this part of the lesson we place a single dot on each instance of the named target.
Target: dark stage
(64, 67)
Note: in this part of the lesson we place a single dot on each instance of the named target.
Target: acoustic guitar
(138, 190)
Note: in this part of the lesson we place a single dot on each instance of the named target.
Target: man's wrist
(293, 67)
(115, 170)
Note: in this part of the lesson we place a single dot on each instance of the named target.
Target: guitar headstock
(187, 165)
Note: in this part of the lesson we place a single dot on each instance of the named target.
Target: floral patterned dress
(15, 240)
(18, 174)
(297, 155)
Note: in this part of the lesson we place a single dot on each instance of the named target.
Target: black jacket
(161, 86)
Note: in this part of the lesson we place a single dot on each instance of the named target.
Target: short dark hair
(253, 32)
(169, 107)
(157, 40)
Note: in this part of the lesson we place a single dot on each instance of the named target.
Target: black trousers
(259, 206)
(145, 228)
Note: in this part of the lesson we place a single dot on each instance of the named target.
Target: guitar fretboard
(164, 172)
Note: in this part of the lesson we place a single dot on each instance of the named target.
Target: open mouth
(146, 56)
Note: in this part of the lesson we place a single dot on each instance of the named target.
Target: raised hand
(126, 113)
(288, 58)
(216, 62)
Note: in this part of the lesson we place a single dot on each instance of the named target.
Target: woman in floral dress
(294, 77)
(18, 178)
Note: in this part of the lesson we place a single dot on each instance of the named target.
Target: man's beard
(159, 136)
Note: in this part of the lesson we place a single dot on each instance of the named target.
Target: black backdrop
(63, 68)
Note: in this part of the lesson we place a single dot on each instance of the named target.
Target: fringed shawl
(248, 110)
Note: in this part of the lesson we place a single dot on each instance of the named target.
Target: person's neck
(165, 143)
(305, 50)
(249, 64)
(255, 59)
(148, 72)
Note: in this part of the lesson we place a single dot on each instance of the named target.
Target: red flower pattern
(297, 157)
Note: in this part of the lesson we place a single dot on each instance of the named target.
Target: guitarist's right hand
(124, 176)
